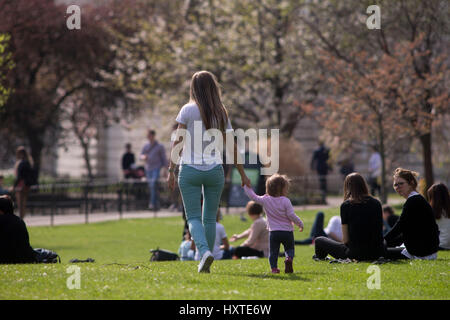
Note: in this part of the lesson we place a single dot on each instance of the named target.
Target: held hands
(234, 238)
(245, 181)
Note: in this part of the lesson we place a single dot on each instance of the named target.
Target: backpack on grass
(46, 256)
(163, 255)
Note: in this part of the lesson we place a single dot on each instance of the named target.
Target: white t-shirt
(375, 165)
(220, 235)
(334, 226)
(444, 232)
(203, 150)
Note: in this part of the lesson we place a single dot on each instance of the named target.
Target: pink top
(279, 210)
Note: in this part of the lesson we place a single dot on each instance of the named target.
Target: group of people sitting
(256, 245)
(365, 230)
(421, 230)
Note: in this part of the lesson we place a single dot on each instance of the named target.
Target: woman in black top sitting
(14, 241)
(362, 225)
(416, 227)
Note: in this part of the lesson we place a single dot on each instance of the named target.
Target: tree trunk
(425, 140)
(384, 192)
(87, 159)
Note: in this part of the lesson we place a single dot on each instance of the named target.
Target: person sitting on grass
(257, 243)
(440, 202)
(332, 231)
(185, 251)
(416, 228)
(14, 240)
(221, 245)
(3, 191)
(280, 219)
(362, 225)
(221, 248)
(389, 218)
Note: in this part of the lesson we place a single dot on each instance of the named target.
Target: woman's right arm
(345, 237)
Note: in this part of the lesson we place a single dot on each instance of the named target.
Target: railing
(86, 198)
(90, 197)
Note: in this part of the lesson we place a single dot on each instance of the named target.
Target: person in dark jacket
(362, 224)
(416, 228)
(389, 218)
(24, 178)
(14, 240)
(128, 160)
(319, 163)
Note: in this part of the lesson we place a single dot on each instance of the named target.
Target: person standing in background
(319, 163)
(24, 178)
(154, 156)
(127, 161)
(375, 171)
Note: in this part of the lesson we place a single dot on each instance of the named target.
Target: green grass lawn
(123, 271)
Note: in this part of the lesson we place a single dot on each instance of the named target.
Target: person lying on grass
(280, 218)
(332, 231)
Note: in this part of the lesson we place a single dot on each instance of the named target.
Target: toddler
(280, 219)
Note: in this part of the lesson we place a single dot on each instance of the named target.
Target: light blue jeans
(192, 184)
(152, 180)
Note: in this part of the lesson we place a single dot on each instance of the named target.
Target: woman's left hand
(246, 181)
(171, 180)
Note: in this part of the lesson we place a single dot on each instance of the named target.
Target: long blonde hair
(205, 92)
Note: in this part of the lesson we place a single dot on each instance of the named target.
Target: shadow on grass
(283, 277)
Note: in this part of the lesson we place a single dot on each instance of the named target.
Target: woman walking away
(201, 171)
(24, 178)
(416, 228)
(280, 217)
(440, 202)
(362, 225)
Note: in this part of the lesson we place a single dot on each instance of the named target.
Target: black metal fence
(90, 197)
(133, 195)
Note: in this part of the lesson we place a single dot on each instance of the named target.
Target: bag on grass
(46, 256)
(163, 255)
